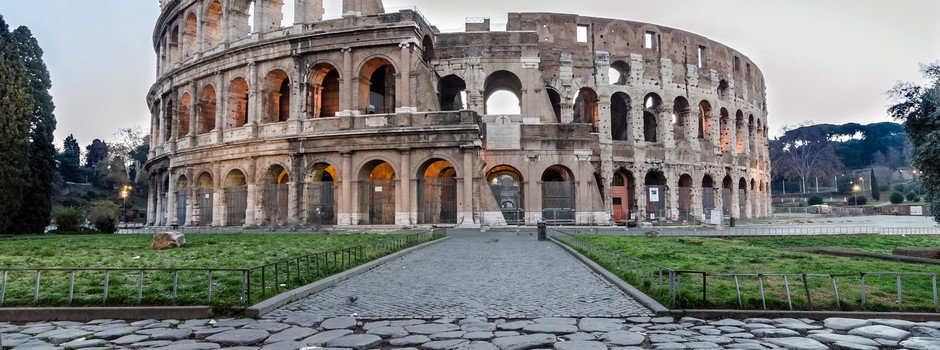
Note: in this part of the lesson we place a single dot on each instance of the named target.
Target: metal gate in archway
(181, 198)
(509, 197)
(655, 202)
(321, 203)
(377, 202)
(708, 200)
(558, 202)
(236, 205)
(275, 203)
(437, 200)
(206, 196)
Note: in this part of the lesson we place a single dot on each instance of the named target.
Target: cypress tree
(875, 191)
(36, 207)
(14, 128)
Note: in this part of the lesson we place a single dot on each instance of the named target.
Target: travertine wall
(358, 120)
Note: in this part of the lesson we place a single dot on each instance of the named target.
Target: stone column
(171, 200)
(667, 129)
(346, 192)
(404, 84)
(672, 192)
(151, 202)
(295, 193)
(403, 193)
(466, 217)
(735, 201)
(636, 124)
(251, 211)
(348, 83)
(254, 96)
(641, 192)
(218, 205)
(718, 198)
(221, 106)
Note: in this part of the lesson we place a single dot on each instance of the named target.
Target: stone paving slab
(474, 274)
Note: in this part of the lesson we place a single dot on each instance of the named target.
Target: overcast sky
(830, 61)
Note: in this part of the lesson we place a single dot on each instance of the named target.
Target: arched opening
(681, 112)
(377, 194)
(204, 204)
(726, 188)
(622, 197)
(452, 91)
(759, 138)
(174, 45)
(655, 194)
(437, 193)
(742, 198)
(685, 197)
(168, 121)
(558, 195)
(722, 89)
(274, 198)
(212, 25)
(704, 120)
(740, 136)
(708, 195)
(652, 104)
(585, 107)
(377, 93)
(619, 73)
(725, 126)
(182, 198)
(277, 97)
(427, 46)
(189, 35)
(506, 183)
(502, 93)
(555, 100)
(287, 12)
(237, 114)
(323, 91)
(186, 102)
(239, 16)
(321, 195)
(207, 110)
(751, 128)
(620, 116)
(236, 198)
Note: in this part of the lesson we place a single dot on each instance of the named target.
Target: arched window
(681, 112)
(725, 126)
(740, 126)
(207, 110)
(174, 45)
(620, 109)
(427, 46)
(705, 120)
(652, 104)
(555, 100)
(212, 25)
(237, 104)
(189, 35)
(169, 119)
(452, 93)
(722, 89)
(239, 17)
(186, 102)
(277, 93)
(377, 95)
(502, 93)
(323, 91)
(619, 73)
(585, 107)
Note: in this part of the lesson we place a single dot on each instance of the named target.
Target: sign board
(378, 188)
(716, 217)
(917, 211)
(654, 194)
(652, 216)
(503, 135)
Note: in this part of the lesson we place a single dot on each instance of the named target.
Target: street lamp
(855, 190)
(125, 192)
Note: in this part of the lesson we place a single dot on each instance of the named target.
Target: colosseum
(378, 118)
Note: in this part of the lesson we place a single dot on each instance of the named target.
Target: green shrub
(815, 200)
(910, 196)
(899, 188)
(104, 216)
(884, 188)
(858, 200)
(897, 198)
(68, 219)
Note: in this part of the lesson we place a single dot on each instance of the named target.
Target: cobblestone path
(472, 275)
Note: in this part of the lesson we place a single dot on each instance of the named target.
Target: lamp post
(125, 192)
(855, 190)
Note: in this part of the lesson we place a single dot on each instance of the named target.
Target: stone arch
(207, 110)
(238, 17)
(623, 196)
(507, 185)
(190, 38)
(237, 104)
(185, 106)
(681, 113)
(377, 182)
(656, 188)
(274, 198)
(169, 119)
(742, 198)
(554, 98)
(621, 71)
(212, 24)
(497, 89)
(620, 110)
(235, 198)
(452, 91)
(708, 194)
(652, 107)
(377, 86)
(437, 192)
(182, 199)
(558, 195)
(751, 128)
(276, 92)
(705, 120)
(585, 107)
(323, 90)
(427, 49)
(725, 129)
(723, 89)
(740, 135)
(685, 187)
(727, 185)
(174, 45)
(321, 200)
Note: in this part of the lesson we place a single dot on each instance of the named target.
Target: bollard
(542, 229)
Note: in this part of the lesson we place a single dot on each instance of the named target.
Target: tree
(875, 191)
(132, 150)
(919, 108)
(69, 161)
(95, 153)
(15, 116)
(803, 153)
(36, 208)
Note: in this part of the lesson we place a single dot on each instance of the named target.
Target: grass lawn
(766, 255)
(215, 251)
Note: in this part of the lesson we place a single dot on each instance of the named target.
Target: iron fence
(219, 287)
(790, 291)
(757, 231)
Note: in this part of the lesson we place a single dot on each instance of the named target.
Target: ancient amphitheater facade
(378, 118)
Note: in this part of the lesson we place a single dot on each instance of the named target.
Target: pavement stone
(239, 337)
(580, 345)
(881, 332)
(795, 343)
(410, 340)
(324, 337)
(920, 343)
(523, 342)
(290, 334)
(355, 341)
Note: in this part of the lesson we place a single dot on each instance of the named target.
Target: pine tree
(36, 208)
(15, 114)
(875, 191)
(69, 161)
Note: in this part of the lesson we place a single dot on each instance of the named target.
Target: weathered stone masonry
(379, 119)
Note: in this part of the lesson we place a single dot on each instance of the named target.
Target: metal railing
(690, 289)
(219, 287)
(757, 231)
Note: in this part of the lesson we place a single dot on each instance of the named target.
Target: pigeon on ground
(352, 300)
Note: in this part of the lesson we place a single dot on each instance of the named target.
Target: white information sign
(378, 188)
(716, 217)
(917, 211)
(654, 194)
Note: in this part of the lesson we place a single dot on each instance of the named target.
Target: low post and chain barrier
(791, 291)
(224, 287)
